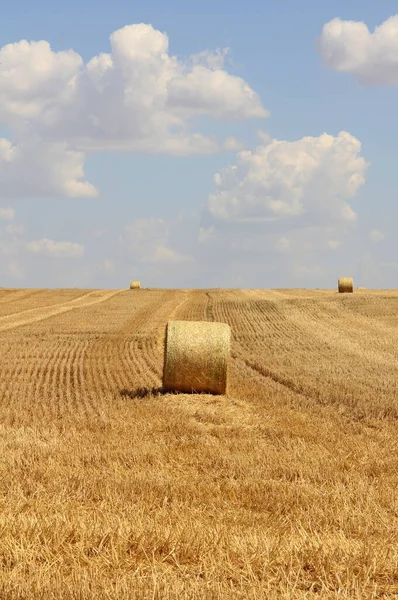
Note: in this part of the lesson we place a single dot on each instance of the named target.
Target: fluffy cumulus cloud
(38, 168)
(314, 177)
(147, 241)
(137, 97)
(282, 212)
(48, 247)
(371, 57)
(306, 240)
(33, 78)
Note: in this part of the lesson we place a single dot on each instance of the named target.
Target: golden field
(285, 489)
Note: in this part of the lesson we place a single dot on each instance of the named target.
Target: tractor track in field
(35, 299)
(11, 296)
(34, 315)
(267, 373)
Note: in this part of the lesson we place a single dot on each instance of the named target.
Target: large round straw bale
(346, 285)
(196, 357)
(135, 285)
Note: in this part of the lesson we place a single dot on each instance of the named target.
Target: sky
(217, 144)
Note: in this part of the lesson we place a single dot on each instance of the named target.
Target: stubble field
(285, 489)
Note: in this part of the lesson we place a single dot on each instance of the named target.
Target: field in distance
(285, 489)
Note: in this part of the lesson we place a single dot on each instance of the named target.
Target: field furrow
(38, 298)
(194, 308)
(11, 296)
(35, 315)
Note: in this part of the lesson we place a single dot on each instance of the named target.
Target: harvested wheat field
(285, 489)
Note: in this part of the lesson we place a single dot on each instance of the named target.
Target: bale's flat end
(196, 357)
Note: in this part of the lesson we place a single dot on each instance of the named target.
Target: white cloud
(308, 239)
(36, 168)
(205, 91)
(212, 59)
(231, 144)
(314, 176)
(318, 239)
(376, 236)
(283, 244)
(147, 240)
(57, 249)
(33, 78)
(7, 213)
(138, 97)
(371, 57)
(163, 254)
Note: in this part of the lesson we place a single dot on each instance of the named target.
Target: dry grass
(196, 357)
(286, 489)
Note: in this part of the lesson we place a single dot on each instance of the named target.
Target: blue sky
(279, 218)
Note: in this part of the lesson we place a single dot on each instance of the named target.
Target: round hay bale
(135, 285)
(196, 357)
(346, 285)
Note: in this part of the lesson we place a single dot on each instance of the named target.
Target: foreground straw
(346, 285)
(135, 285)
(196, 357)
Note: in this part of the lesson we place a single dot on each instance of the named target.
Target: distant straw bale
(196, 357)
(135, 285)
(346, 285)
